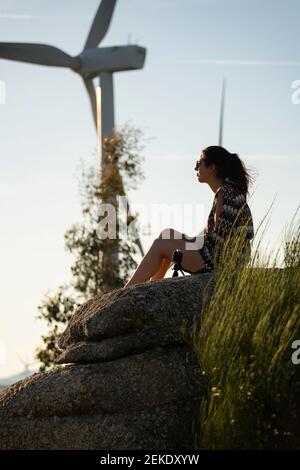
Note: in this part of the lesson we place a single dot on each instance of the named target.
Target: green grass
(244, 349)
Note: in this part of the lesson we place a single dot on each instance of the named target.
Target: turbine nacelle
(110, 59)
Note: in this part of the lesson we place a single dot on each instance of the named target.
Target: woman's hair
(228, 166)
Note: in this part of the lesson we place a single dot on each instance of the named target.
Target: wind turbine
(222, 111)
(201, 234)
(90, 63)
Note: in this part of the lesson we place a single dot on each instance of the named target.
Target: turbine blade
(37, 54)
(92, 94)
(100, 24)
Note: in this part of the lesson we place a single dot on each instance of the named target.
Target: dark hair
(228, 166)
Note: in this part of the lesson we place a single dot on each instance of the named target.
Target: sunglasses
(198, 163)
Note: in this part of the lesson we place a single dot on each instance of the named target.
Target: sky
(47, 130)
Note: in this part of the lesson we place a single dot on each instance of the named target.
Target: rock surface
(127, 377)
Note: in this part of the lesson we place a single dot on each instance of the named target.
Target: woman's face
(204, 173)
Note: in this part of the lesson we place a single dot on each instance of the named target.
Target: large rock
(157, 304)
(86, 352)
(130, 381)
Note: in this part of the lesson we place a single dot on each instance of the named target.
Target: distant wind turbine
(201, 234)
(90, 63)
(222, 111)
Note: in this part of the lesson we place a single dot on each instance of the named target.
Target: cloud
(233, 62)
(273, 157)
(169, 157)
(21, 16)
(250, 157)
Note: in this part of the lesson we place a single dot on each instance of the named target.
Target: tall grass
(244, 347)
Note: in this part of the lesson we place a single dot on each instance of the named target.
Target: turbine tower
(90, 63)
(222, 111)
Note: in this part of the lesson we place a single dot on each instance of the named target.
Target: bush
(244, 347)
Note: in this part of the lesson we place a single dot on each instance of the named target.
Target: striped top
(235, 214)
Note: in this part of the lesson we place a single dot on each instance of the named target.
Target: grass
(244, 347)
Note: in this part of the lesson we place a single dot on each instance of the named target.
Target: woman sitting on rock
(226, 175)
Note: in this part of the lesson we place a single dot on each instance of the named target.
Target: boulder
(127, 376)
(156, 304)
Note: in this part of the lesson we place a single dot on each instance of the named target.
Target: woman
(228, 178)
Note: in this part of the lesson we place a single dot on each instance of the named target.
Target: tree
(92, 272)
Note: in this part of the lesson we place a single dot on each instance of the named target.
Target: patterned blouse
(234, 202)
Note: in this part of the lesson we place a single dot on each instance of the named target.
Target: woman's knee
(166, 247)
(170, 234)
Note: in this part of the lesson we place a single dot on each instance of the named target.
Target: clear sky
(46, 128)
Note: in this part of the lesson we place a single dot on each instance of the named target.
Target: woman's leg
(149, 265)
(164, 266)
(163, 247)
